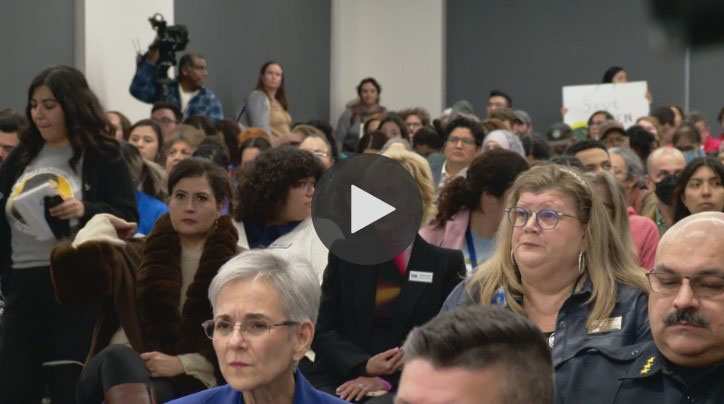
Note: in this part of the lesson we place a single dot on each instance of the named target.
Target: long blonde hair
(607, 261)
(620, 209)
(419, 169)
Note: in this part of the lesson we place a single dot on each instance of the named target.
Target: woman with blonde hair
(639, 235)
(366, 311)
(560, 263)
(418, 168)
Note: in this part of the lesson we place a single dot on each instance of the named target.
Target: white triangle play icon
(367, 209)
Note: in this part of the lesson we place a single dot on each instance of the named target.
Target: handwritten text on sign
(625, 101)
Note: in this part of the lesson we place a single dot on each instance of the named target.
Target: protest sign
(625, 101)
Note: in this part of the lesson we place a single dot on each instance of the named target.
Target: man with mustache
(685, 361)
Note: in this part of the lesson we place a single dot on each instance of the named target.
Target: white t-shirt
(49, 166)
(186, 97)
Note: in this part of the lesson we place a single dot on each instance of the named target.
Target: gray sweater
(255, 111)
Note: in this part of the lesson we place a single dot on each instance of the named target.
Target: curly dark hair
(88, 126)
(476, 129)
(680, 210)
(493, 171)
(263, 189)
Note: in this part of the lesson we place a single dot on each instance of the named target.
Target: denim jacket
(144, 88)
(628, 324)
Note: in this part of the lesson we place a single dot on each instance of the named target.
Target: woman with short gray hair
(274, 302)
(295, 281)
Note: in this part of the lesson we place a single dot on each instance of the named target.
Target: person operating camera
(187, 91)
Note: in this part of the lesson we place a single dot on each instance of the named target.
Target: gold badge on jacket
(608, 324)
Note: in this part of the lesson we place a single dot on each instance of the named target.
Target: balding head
(664, 161)
(686, 305)
(693, 229)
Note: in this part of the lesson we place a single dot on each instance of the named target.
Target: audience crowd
(564, 265)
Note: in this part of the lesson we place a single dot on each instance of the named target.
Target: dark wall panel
(34, 35)
(532, 49)
(707, 83)
(237, 37)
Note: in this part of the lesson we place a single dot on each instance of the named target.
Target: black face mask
(665, 189)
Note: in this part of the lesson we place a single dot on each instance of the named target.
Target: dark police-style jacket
(628, 324)
(638, 374)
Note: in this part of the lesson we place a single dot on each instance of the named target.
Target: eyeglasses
(248, 328)
(704, 286)
(466, 140)
(547, 219)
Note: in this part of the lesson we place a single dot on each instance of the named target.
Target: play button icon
(367, 209)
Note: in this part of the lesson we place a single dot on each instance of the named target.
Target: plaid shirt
(144, 88)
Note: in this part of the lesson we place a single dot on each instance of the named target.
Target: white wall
(398, 42)
(105, 48)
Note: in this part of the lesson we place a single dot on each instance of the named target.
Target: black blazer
(346, 312)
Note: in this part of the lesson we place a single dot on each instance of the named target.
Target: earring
(512, 259)
(581, 262)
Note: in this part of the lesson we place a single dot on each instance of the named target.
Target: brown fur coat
(142, 292)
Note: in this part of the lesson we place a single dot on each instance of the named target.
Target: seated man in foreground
(476, 354)
(685, 361)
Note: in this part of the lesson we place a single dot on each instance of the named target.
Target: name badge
(280, 245)
(609, 324)
(418, 276)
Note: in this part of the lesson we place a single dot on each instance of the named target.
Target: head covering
(523, 116)
(558, 134)
(498, 137)
(507, 140)
(607, 126)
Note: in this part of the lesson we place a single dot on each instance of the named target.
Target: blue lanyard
(471, 248)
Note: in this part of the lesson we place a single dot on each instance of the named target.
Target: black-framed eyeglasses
(546, 219)
(704, 286)
(221, 328)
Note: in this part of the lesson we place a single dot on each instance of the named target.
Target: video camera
(170, 40)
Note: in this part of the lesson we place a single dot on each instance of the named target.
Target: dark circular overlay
(384, 179)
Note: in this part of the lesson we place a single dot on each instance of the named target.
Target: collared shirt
(144, 88)
(639, 374)
(445, 176)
